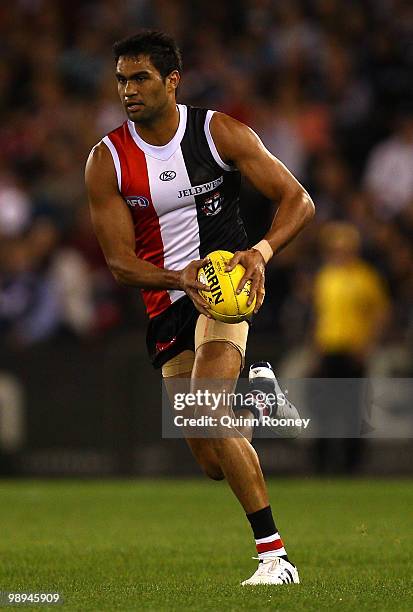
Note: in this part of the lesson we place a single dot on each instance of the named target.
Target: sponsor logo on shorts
(162, 346)
(168, 175)
(137, 201)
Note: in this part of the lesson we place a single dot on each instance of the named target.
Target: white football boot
(262, 381)
(274, 570)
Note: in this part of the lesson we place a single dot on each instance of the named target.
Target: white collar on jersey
(163, 152)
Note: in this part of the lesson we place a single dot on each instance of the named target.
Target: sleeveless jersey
(183, 198)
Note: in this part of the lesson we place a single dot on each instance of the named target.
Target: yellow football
(224, 303)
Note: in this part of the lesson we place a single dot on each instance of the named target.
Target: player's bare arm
(239, 145)
(113, 226)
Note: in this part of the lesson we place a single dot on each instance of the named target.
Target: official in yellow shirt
(351, 305)
(349, 295)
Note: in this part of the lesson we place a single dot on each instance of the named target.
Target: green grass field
(185, 545)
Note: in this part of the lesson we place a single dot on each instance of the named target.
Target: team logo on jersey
(212, 205)
(168, 175)
(140, 201)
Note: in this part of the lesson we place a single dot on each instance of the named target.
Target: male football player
(164, 192)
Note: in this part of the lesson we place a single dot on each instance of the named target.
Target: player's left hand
(254, 265)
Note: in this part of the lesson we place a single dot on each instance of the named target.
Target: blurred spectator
(15, 207)
(279, 124)
(332, 185)
(389, 176)
(28, 305)
(42, 290)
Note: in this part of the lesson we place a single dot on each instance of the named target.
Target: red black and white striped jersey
(183, 198)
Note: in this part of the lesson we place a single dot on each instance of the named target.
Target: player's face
(142, 90)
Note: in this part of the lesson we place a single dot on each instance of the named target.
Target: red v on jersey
(148, 239)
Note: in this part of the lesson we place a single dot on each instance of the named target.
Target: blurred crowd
(328, 86)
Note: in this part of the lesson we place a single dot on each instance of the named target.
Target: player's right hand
(189, 283)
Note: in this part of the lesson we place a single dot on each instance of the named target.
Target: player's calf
(205, 456)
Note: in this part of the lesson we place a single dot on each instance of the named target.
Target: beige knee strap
(179, 365)
(210, 330)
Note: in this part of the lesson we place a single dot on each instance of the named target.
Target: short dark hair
(161, 49)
